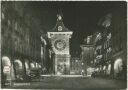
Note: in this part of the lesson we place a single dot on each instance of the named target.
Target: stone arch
(6, 61)
(32, 65)
(18, 64)
(118, 65)
(7, 69)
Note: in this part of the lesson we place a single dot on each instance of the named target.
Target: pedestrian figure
(82, 72)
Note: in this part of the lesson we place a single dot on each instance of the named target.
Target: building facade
(87, 53)
(104, 37)
(19, 41)
(111, 44)
(119, 42)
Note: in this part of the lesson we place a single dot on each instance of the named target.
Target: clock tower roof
(59, 27)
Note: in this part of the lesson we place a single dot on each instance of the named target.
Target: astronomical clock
(60, 44)
(59, 37)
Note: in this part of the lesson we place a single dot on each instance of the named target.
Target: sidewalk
(63, 76)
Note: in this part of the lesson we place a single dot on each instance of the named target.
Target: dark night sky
(80, 17)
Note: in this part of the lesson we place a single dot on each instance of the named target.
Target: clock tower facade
(60, 40)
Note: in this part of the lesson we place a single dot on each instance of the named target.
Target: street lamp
(82, 63)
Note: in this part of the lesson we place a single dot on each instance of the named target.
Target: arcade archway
(118, 66)
(18, 69)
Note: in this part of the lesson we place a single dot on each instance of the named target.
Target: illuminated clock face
(60, 44)
(59, 28)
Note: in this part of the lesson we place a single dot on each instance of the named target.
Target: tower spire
(59, 15)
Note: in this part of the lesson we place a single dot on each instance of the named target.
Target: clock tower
(59, 38)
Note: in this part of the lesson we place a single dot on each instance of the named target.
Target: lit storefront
(6, 65)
